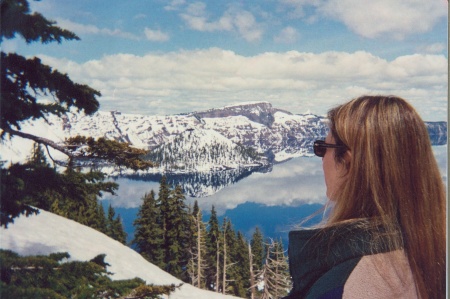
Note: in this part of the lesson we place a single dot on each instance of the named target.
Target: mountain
(203, 151)
(252, 128)
(47, 233)
(259, 112)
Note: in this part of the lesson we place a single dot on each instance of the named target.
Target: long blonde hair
(393, 178)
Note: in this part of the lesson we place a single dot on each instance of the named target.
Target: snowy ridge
(47, 233)
(255, 125)
(259, 127)
(202, 150)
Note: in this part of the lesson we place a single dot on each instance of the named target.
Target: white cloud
(233, 19)
(156, 35)
(174, 5)
(91, 29)
(185, 81)
(394, 18)
(373, 19)
(287, 35)
(433, 48)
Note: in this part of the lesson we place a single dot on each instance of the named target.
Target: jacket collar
(314, 252)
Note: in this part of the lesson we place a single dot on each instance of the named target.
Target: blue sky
(167, 57)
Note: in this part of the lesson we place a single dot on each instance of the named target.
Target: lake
(275, 200)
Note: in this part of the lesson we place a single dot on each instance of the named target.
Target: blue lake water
(275, 201)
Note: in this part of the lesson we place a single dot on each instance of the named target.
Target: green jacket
(346, 262)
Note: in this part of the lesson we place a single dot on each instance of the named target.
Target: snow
(47, 233)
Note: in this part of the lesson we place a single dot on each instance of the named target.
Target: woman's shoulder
(382, 275)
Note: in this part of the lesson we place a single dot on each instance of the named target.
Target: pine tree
(72, 194)
(213, 252)
(38, 157)
(257, 243)
(101, 224)
(148, 236)
(256, 248)
(228, 242)
(119, 231)
(252, 273)
(275, 272)
(176, 241)
(241, 271)
(115, 228)
(197, 262)
(162, 205)
(49, 277)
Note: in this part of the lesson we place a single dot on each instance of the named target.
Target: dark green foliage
(240, 273)
(162, 234)
(148, 236)
(176, 234)
(119, 153)
(114, 226)
(16, 19)
(50, 277)
(212, 245)
(101, 222)
(72, 194)
(257, 244)
(167, 234)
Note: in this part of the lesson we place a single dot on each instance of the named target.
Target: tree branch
(47, 142)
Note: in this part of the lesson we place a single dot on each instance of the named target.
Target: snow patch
(47, 233)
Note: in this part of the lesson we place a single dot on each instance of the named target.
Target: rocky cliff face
(262, 112)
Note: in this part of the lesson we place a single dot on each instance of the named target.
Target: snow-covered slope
(257, 125)
(47, 233)
(203, 150)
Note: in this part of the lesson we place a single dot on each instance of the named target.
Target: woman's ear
(347, 159)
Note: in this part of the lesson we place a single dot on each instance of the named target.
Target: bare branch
(47, 142)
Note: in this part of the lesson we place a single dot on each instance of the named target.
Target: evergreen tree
(49, 277)
(102, 225)
(119, 231)
(241, 271)
(212, 272)
(114, 226)
(177, 228)
(228, 242)
(257, 258)
(162, 205)
(257, 243)
(275, 272)
(72, 194)
(197, 262)
(148, 236)
(38, 157)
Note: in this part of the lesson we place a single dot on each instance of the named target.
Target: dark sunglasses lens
(319, 150)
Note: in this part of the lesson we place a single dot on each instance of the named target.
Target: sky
(178, 56)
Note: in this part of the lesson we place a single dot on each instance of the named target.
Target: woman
(385, 235)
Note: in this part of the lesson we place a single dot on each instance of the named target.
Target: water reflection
(273, 201)
(292, 183)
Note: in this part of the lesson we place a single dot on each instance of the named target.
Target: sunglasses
(320, 147)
